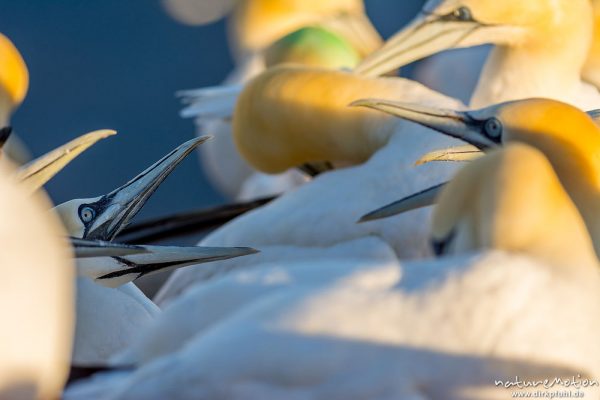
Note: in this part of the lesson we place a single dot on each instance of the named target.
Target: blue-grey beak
(112, 212)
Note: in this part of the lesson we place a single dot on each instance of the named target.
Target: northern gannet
(36, 296)
(109, 319)
(569, 137)
(255, 26)
(540, 47)
(448, 328)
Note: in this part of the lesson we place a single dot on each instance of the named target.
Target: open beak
(415, 201)
(117, 271)
(428, 34)
(39, 171)
(457, 124)
(116, 209)
(96, 248)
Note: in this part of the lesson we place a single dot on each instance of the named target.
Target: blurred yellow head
(292, 115)
(14, 79)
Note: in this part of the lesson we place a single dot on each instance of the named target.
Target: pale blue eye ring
(87, 214)
(493, 128)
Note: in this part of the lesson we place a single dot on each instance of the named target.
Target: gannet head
(103, 217)
(292, 115)
(315, 47)
(511, 200)
(14, 79)
(445, 24)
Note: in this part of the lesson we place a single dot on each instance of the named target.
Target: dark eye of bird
(493, 128)
(462, 14)
(87, 214)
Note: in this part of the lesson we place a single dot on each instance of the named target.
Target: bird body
(108, 320)
(434, 334)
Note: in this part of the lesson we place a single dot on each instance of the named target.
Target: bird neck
(543, 61)
(516, 73)
(579, 171)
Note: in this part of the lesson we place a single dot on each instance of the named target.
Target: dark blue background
(116, 64)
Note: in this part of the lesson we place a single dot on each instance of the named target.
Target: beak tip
(366, 218)
(361, 103)
(249, 250)
(205, 138)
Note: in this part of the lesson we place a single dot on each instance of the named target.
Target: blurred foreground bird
(37, 296)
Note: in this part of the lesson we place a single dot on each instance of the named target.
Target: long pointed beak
(117, 271)
(39, 171)
(96, 248)
(425, 36)
(457, 124)
(122, 204)
(415, 201)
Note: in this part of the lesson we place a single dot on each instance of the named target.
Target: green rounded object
(313, 46)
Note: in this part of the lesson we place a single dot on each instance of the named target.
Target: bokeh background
(117, 64)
